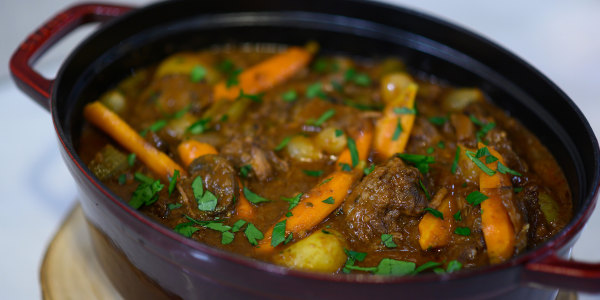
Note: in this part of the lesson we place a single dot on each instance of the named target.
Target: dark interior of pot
(354, 28)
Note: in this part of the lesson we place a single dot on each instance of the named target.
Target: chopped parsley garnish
(244, 170)
(325, 181)
(131, 159)
(172, 206)
(479, 163)
(329, 200)
(323, 118)
(289, 96)
(504, 169)
(180, 113)
(288, 238)
(358, 78)
(441, 145)
(476, 197)
(482, 152)
(457, 216)
(339, 132)
(283, 143)
(337, 86)
(293, 201)
(186, 229)
(173, 181)
(254, 97)
(370, 169)
(398, 130)
(314, 173)
(232, 78)
(436, 213)
(238, 225)
(198, 73)
(122, 179)
(464, 231)
(424, 188)
(420, 161)
(227, 238)
(388, 266)
(453, 266)
(475, 120)
(145, 194)
(345, 167)
(353, 151)
(430, 150)
(254, 198)
(353, 256)
(314, 90)
(490, 159)
(217, 226)
(405, 111)
(455, 162)
(518, 189)
(484, 130)
(278, 233)
(207, 201)
(388, 241)
(142, 178)
(158, 125)
(438, 120)
(253, 234)
(226, 66)
(199, 126)
(426, 266)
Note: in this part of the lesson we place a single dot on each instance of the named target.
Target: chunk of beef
(218, 177)
(244, 151)
(379, 203)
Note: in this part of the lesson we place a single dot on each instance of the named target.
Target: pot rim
(548, 248)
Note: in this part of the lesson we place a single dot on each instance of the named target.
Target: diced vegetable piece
(302, 148)
(319, 252)
(458, 99)
(161, 164)
(465, 131)
(115, 101)
(497, 227)
(435, 232)
(331, 140)
(388, 66)
(266, 74)
(392, 129)
(177, 127)
(108, 162)
(192, 149)
(466, 168)
(393, 85)
(548, 206)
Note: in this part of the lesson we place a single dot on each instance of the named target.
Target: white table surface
(560, 38)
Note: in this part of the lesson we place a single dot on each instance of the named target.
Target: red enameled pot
(145, 259)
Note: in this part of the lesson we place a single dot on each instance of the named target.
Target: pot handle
(568, 274)
(31, 82)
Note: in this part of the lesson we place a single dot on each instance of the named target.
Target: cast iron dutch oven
(145, 259)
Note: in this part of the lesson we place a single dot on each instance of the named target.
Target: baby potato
(329, 141)
(320, 252)
(458, 99)
(115, 101)
(184, 63)
(392, 84)
(302, 148)
(176, 127)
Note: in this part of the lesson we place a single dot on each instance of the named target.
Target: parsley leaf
(208, 202)
(370, 169)
(278, 233)
(464, 231)
(145, 194)
(323, 118)
(420, 161)
(254, 97)
(457, 216)
(479, 163)
(398, 130)
(293, 201)
(254, 198)
(453, 266)
(198, 73)
(199, 126)
(388, 266)
(455, 162)
(438, 120)
(353, 151)
(345, 167)
(131, 159)
(504, 169)
(186, 229)
(289, 96)
(173, 181)
(476, 197)
(173, 206)
(244, 170)
(405, 111)
(227, 238)
(427, 265)
(283, 143)
(388, 241)
(358, 78)
(314, 90)
(314, 173)
(238, 225)
(253, 234)
(329, 200)
(436, 213)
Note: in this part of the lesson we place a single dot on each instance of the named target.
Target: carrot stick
(498, 230)
(109, 122)
(266, 74)
(192, 149)
(389, 137)
(435, 232)
(312, 210)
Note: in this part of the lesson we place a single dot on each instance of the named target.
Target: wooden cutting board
(70, 269)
